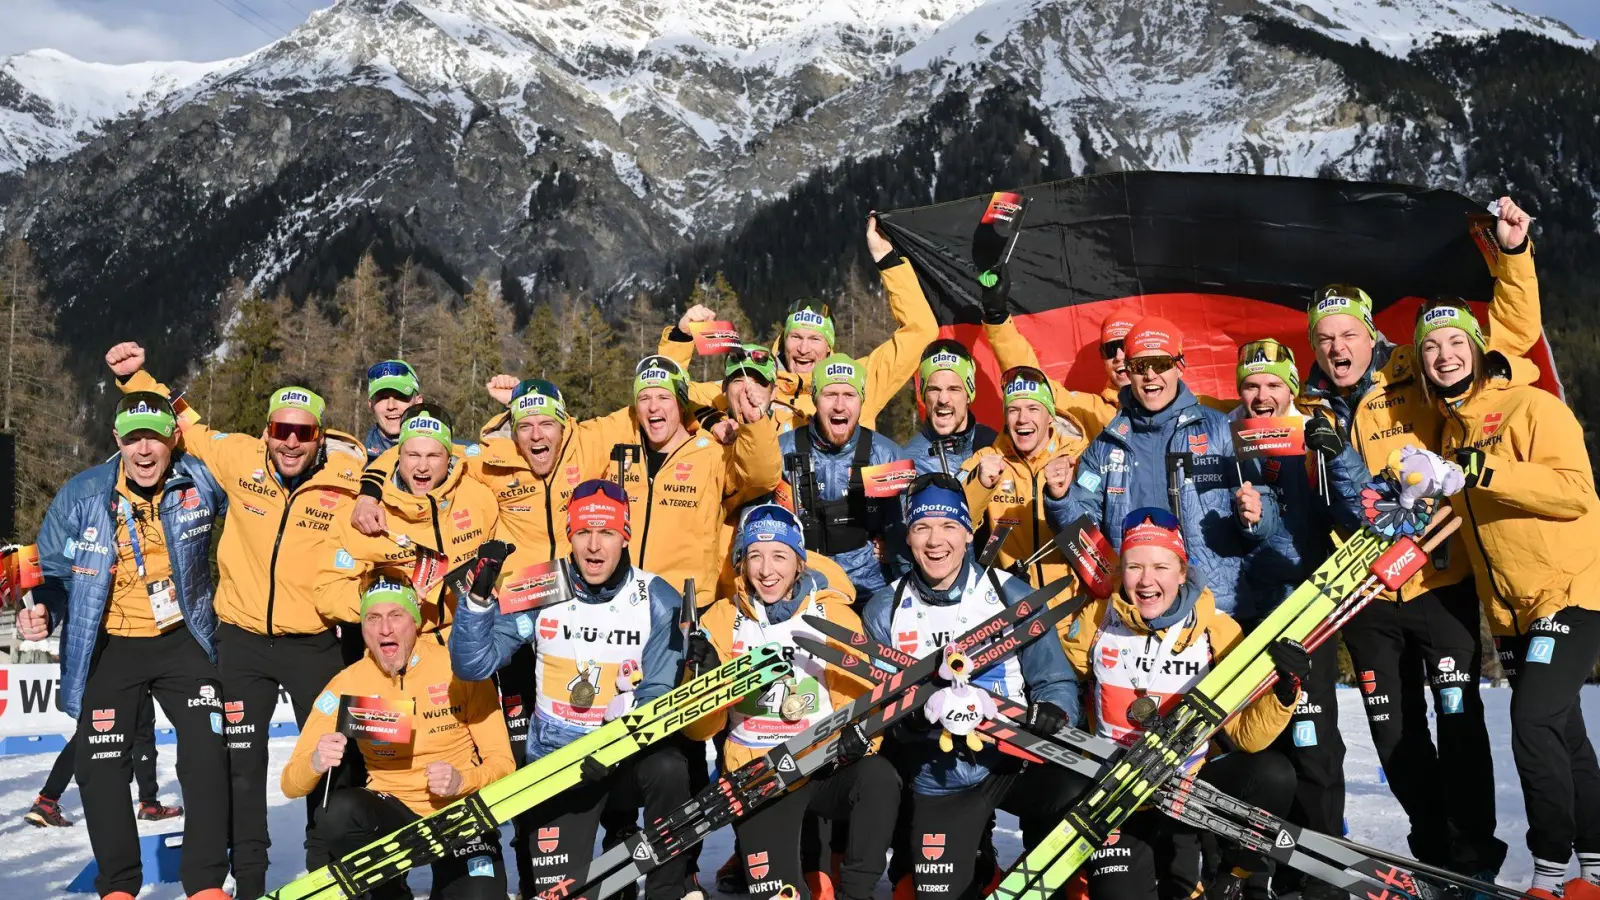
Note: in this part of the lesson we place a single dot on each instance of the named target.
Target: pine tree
(249, 371)
(36, 407)
(596, 379)
(475, 356)
(545, 353)
(644, 323)
(365, 335)
(410, 299)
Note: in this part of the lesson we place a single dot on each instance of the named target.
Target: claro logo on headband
(294, 396)
(1022, 386)
(808, 317)
(1440, 314)
(842, 370)
(142, 409)
(944, 358)
(531, 401)
(1334, 302)
(654, 375)
(423, 423)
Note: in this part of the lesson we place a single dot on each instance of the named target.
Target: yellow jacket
(1017, 500)
(276, 542)
(1395, 413)
(1093, 411)
(1257, 725)
(718, 623)
(455, 721)
(1533, 522)
(454, 518)
(677, 515)
(888, 366)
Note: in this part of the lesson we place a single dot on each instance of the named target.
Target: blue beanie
(934, 501)
(769, 522)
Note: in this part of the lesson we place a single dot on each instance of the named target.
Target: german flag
(1228, 258)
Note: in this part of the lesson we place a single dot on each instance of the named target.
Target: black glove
(1293, 663)
(996, 285)
(1323, 436)
(593, 771)
(698, 652)
(852, 745)
(491, 557)
(1473, 464)
(1045, 717)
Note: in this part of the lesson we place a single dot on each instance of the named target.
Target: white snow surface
(40, 862)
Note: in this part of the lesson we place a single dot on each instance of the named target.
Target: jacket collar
(1193, 612)
(585, 592)
(415, 507)
(949, 596)
(1184, 409)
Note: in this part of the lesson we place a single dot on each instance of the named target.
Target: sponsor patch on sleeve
(328, 703)
(1089, 481)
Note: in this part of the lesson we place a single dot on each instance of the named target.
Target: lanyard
(1163, 653)
(133, 534)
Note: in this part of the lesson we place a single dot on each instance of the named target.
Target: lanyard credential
(133, 534)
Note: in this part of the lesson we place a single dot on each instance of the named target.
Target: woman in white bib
(1157, 636)
(773, 592)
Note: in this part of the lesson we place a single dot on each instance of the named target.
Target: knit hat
(598, 504)
(949, 356)
(765, 523)
(812, 315)
(387, 590)
(296, 397)
(1267, 356)
(145, 411)
(1153, 333)
(1027, 383)
(1152, 526)
(1339, 300)
(393, 375)
(1115, 328)
(1448, 313)
(427, 424)
(537, 397)
(937, 496)
(838, 369)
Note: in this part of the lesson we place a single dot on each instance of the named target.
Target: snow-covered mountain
(583, 145)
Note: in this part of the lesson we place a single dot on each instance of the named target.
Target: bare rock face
(585, 146)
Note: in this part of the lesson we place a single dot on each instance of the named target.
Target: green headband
(946, 360)
(1434, 318)
(1261, 361)
(1340, 300)
(811, 320)
(658, 375)
(385, 591)
(295, 397)
(426, 426)
(838, 369)
(145, 412)
(1023, 387)
(539, 398)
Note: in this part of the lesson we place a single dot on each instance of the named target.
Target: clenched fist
(369, 518)
(989, 468)
(696, 313)
(1058, 476)
(33, 622)
(877, 244)
(125, 359)
(443, 779)
(500, 387)
(1512, 229)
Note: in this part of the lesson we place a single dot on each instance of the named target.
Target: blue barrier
(158, 856)
(22, 745)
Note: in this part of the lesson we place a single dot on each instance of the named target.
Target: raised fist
(990, 466)
(1058, 476)
(500, 387)
(696, 313)
(1512, 229)
(125, 358)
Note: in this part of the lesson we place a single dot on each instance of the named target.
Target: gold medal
(583, 692)
(1143, 711)
(793, 708)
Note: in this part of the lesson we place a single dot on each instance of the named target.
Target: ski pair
(894, 696)
(429, 839)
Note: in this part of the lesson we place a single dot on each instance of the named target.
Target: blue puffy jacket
(831, 468)
(1047, 675)
(77, 548)
(483, 640)
(1104, 489)
(1303, 540)
(958, 447)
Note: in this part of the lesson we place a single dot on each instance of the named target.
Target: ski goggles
(1110, 349)
(282, 431)
(1268, 357)
(145, 411)
(949, 356)
(1026, 383)
(392, 375)
(1159, 365)
(537, 397)
(1340, 300)
(814, 315)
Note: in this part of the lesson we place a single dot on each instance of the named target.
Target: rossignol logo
(808, 317)
(293, 396)
(841, 370)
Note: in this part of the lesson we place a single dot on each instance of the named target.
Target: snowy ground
(40, 862)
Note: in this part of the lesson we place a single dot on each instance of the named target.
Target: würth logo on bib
(932, 846)
(512, 704)
(462, 518)
(549, 839)
(683, 471)
(1109, 656)
(1491, 423)
(547, 628)
(906, 641)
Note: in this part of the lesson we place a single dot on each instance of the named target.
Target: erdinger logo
(944, 358)
(1440, 314)
(808, 317)
(842, 370)
(291, 395)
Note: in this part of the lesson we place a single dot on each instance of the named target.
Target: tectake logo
(90, 533)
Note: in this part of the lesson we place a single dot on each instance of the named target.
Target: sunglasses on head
(427, 409)
(1028, 373)
(282, 431)
(387, 369)
(771, 512)
(760, 357)
(1265, 351)
(1155, 515)
(1343, 292)
(656, 362)
(534, 385)
(936, 479)
(609, 488)
(1147, 364)
(1110, 349)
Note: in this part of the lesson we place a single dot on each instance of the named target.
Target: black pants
(356, 817)
(561, 831)
(252, 667)
(865, 793)
(1431, 642)
(946, 830)
(124, 672)
(1555, 761)
(1152, 856)
(1313, 745)
(144, 759)
(517, 684)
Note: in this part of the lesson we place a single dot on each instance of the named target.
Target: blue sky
(133, 30)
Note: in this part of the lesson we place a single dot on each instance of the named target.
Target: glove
(491, 557)
(1045, 717)
(593, 771)
(698, 651)
(852, 745)
(1294, 666)
(1473, 464)
(1323, 436)
(996, 289)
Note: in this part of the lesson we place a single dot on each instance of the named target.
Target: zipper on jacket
(272, 567)
(1038, 564)
(550, 517)
(650, 496)
(1472, 518)
(438, 537)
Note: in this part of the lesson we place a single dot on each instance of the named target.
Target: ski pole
(690, 615)
(1176, 463)
(944, 462)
